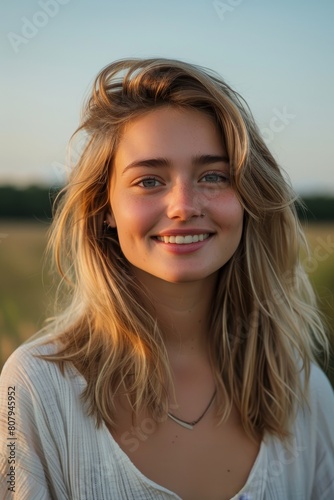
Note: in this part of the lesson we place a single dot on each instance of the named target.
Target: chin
(146, 276)
(189, 277)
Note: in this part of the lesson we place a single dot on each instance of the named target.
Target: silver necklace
(190, 425)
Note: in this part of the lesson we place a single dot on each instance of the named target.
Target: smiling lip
(186, 239)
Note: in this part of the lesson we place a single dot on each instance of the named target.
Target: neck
(183, 313)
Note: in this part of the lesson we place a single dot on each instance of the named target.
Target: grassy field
(27, 290)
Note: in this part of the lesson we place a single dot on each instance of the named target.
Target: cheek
(133, 217)
(232, 226)
(232, 213)
(238, 216)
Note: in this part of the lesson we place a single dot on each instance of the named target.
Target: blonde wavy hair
(265, 328)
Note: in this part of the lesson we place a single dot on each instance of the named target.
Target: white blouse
(51, 449)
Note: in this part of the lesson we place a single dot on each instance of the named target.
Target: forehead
(170, 131)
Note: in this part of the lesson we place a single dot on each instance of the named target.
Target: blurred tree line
(35, 202)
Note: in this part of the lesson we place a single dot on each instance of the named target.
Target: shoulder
(319, 431)
(45, 398)
(315, 418)
(319, 381)
(316, 412)
(320, 395)
(42, 405)
(39, 378)
(26, 351)
(302, 465)
(24, 361)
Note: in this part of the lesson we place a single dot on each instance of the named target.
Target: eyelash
(223, 178)
(220, 178)
(147, 179)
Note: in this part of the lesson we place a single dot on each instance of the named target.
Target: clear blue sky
(277, 54)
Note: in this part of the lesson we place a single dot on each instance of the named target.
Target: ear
(111, 219)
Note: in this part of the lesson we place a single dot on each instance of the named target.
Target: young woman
(183, 365)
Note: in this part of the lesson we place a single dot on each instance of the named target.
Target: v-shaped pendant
(190, 425)
(187, 425)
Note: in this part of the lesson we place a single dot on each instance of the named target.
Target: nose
(184, 202)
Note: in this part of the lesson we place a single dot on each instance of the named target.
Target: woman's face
(177, 216)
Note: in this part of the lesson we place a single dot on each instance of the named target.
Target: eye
(149, 182)
(215, 178)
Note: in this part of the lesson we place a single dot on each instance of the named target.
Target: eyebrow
(200, 160)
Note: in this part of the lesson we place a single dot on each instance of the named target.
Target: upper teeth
(182, 240)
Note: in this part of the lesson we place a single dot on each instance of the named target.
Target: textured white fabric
(59, 453)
